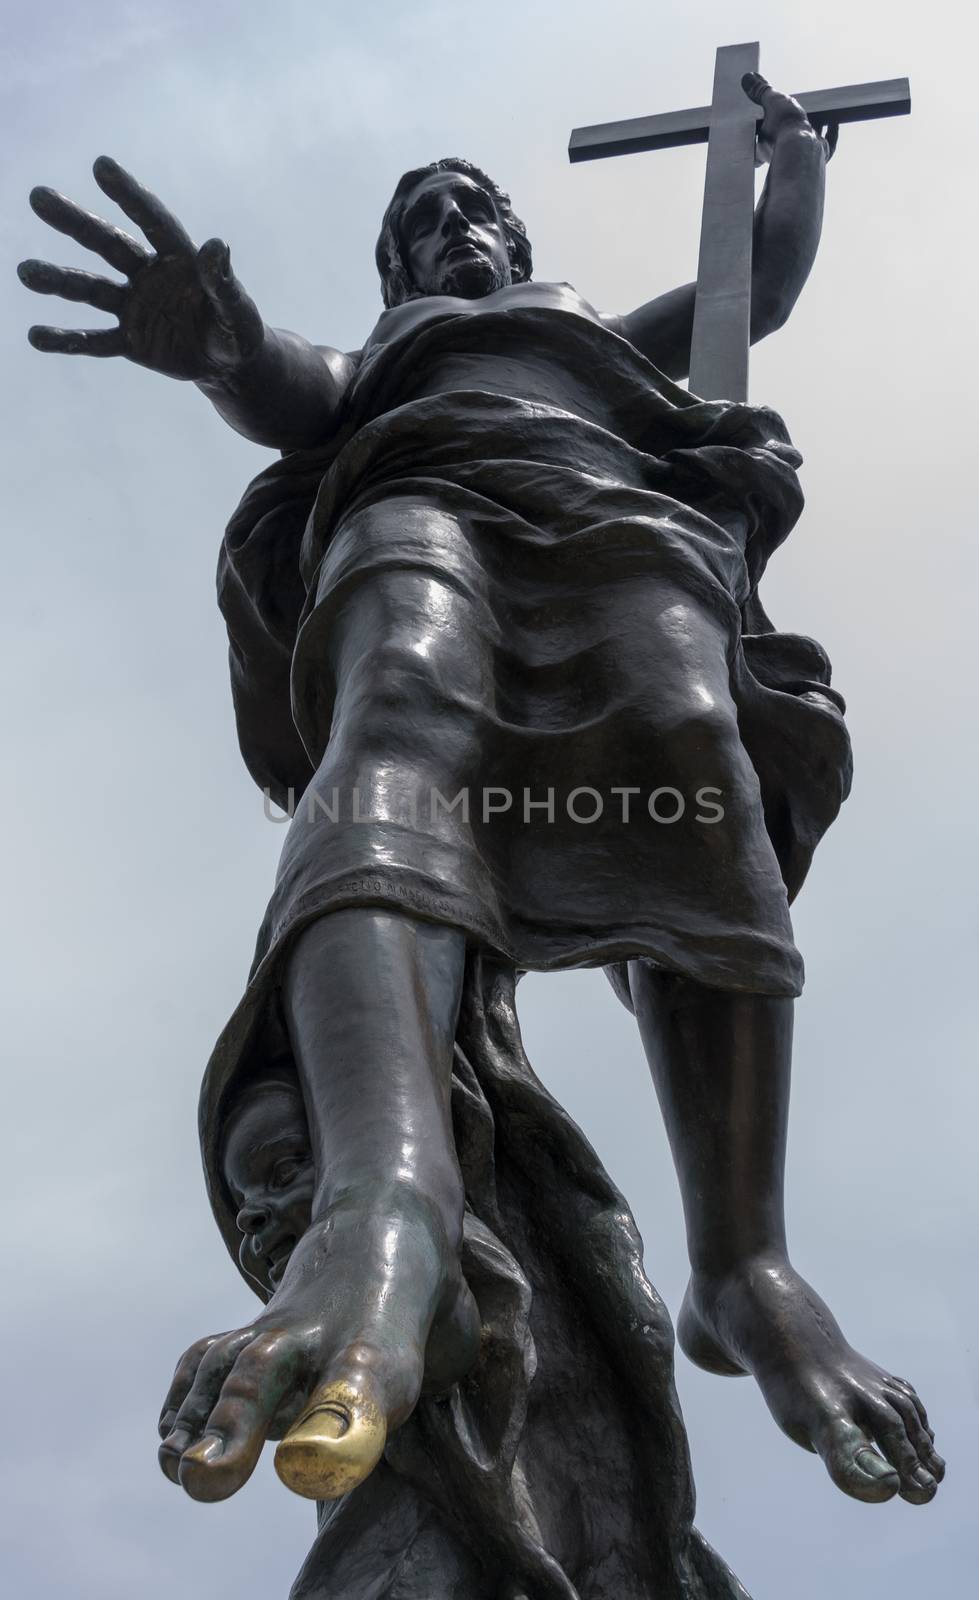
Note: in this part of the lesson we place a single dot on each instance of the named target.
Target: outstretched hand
(782, 111)
(181, 311)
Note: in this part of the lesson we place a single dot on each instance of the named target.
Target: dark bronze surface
(504, 552)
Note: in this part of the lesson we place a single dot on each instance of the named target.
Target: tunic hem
(738, 962)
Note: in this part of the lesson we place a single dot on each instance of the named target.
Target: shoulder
(342, 364)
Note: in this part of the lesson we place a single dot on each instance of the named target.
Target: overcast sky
(138, 857)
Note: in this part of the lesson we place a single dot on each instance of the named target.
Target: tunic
(512, 637)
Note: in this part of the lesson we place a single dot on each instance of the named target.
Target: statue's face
(452, 238)
(268, 1166)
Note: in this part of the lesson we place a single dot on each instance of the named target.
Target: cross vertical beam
(722, 314)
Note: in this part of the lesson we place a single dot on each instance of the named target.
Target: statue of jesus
(490, 620)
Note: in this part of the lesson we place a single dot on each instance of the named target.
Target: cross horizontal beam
(856, 102)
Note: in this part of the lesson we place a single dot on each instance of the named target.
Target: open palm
(181, 311)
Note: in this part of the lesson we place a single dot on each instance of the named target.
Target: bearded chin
(471, 280)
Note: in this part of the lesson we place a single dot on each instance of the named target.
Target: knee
(706, 725)
(404, 700)
(696, 746)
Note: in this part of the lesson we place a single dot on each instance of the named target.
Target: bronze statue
(496, 643)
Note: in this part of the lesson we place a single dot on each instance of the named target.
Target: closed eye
(420, 216)
(285, 1171)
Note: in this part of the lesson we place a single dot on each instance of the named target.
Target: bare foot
(870, 1429)
(335, 1361)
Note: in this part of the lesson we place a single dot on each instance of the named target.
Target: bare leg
(374, 1047)
(721, 1064)
(374, 1289)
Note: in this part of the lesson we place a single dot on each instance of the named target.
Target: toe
(920, 1489)
(188, 1424)
(904, 1387)
(336, 1443)
(891, 1437)
(199, 1472)
(226, 1455)
(918, 1432)
(183, 1380)
(907, 1401)
(854, 1465)
(175, 1440)
(170, 1453)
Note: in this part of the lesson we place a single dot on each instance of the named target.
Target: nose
(455, 220)
(252, 1217)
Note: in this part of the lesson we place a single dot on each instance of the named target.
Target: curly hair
(396, 282)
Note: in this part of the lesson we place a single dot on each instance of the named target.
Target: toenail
(870, 1462)
(206, 1449)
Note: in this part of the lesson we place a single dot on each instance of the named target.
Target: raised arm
(182, 312)
(788, 222)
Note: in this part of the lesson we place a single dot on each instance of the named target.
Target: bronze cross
(722, 316)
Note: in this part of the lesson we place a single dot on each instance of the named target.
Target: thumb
(755, 86)
(235, 308)
(214, 262)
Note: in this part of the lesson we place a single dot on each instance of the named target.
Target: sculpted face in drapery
(268, 1166)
